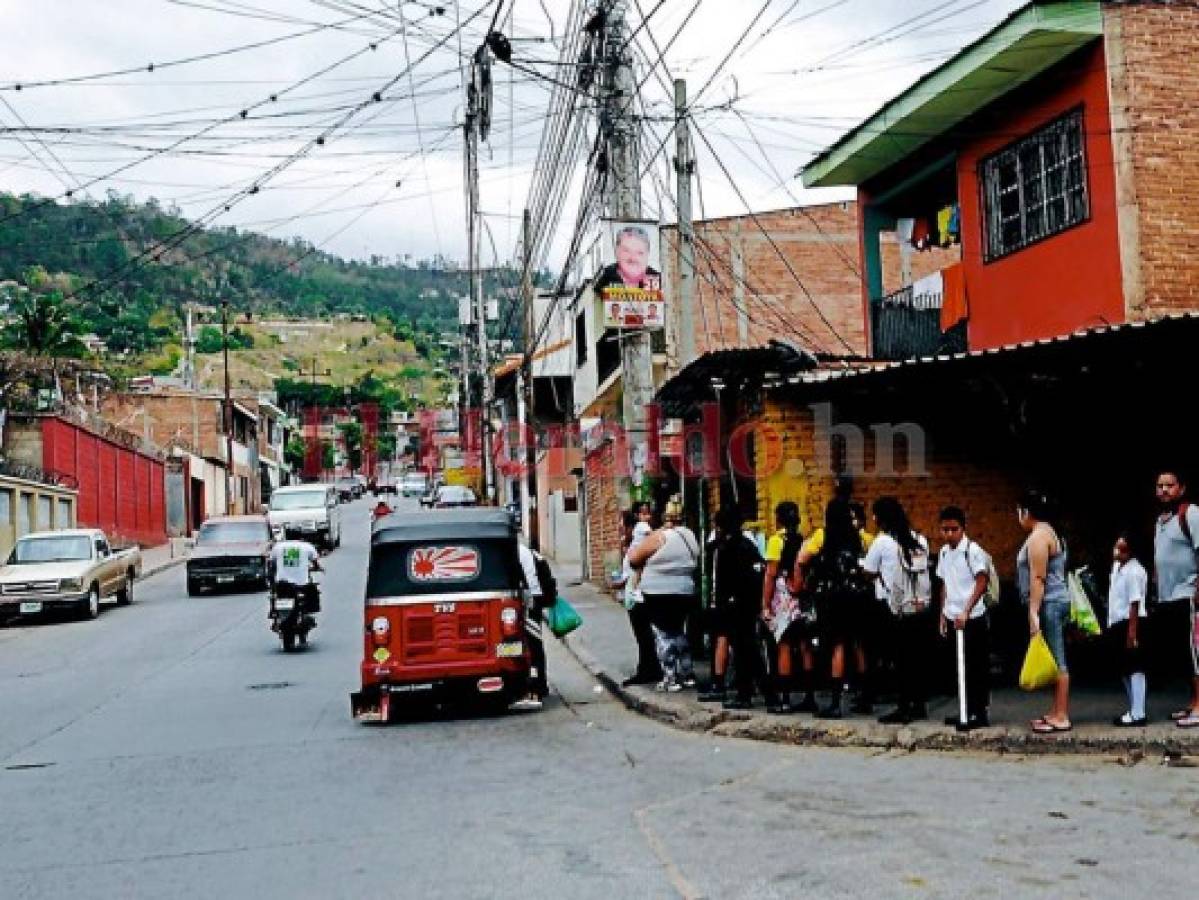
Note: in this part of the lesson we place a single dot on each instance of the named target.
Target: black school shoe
(1127, 721)
(806, 705)
(713, 693)
(641, 679)
(904, 715)
(863, 705)
(980, 721)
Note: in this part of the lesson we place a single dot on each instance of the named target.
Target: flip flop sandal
(1046, 727)
(1191, 721)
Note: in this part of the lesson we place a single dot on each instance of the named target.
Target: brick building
(1045, 162)
(1047, 158)
(788, 273)
(170, 417)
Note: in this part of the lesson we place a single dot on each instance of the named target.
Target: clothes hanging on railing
(954, 306)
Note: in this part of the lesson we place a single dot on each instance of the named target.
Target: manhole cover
(268, 686)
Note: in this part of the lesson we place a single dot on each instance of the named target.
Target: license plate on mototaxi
(31, 606)
(285, 604)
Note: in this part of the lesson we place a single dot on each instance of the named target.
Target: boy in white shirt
(1125, 617)
(964, 569)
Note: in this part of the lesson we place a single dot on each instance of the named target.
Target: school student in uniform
(1126, 614)
(898, 563)
(964, 570)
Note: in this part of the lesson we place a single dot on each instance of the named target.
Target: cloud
(825, 64)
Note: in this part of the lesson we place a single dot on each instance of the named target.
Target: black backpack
(837, 573)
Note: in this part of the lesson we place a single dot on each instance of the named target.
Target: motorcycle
(293, 612)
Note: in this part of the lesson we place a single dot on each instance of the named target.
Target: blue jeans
(1054, 616)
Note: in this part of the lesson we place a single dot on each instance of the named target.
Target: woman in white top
(898, 561)
(648, 671)
(668, 560)
(1125, 618)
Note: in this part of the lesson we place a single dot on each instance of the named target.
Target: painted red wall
(120, 490)
(1068, 281)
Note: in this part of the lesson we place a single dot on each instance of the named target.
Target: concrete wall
(27, 506)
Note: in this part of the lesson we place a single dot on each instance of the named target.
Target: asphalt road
(170, 749)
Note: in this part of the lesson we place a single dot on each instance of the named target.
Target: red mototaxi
(444, 612)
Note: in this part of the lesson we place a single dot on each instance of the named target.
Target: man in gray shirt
(1176, 563)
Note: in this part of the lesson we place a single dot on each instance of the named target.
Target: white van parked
(308, 512)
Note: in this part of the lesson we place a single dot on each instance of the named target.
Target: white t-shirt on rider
(293, 561)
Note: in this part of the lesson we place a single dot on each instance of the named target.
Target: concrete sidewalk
(165, 556)
(604, 645)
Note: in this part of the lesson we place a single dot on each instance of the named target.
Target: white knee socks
(1136, 694)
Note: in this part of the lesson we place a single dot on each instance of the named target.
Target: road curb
(162, 567)
(1001, 740)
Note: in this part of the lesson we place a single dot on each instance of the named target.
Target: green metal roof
(1024, 45)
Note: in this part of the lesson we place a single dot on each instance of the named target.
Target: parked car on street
(450, 496)
(308, 512)
(415, 484)
(74, 570)
(231, 551)
(347, 489)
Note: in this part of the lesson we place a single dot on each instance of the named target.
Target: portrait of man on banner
(633, 249)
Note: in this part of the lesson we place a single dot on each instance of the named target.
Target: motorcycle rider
(293, 563)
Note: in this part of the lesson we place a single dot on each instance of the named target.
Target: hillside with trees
(105, 260)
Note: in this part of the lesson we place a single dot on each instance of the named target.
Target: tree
(385, 445)
(295, 452)
(328, 455)
(351, 433)
(43, 324)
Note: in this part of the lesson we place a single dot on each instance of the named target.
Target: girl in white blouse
(1125, 618)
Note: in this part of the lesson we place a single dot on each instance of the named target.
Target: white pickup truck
(74, 570)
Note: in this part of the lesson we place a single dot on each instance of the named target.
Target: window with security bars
(1035, 188)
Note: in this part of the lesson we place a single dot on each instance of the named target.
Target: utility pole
(525, 411)
(229, 506)
(478, 104)
(624, 202)
(189, 350)
(684, 167)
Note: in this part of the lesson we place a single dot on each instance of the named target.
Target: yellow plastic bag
(1039, 669)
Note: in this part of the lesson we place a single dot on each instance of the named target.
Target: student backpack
(991, 595)
(914, 584)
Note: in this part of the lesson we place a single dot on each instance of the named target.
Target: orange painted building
(1044, 162)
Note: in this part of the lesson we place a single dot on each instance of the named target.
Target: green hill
(104, 258)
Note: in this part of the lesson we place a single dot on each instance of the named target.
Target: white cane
(961, 639)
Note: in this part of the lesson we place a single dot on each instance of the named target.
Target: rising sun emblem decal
(443, 563)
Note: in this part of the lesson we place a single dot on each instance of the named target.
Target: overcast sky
(805, 72)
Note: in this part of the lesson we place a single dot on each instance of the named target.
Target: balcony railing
(905, 326)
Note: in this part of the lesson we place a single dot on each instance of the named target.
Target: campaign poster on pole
(630, 282)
